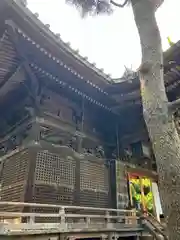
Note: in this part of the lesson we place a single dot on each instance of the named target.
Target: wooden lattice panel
(94, 199)
(54, 169)
(94, 176)
(54, 178)
(15, 193)
(94, 184)
(52, 194)
(14, 179)
(15, 169)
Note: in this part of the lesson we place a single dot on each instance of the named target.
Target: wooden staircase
(154, 227)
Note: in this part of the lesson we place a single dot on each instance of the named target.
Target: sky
(111, 42)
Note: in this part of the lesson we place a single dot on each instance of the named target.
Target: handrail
(152, 231)
(65, 207)
(87, 218)
(155, 227)
(55, 215)
(155, 219)
(108, 216)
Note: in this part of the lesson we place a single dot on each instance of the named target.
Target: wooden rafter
(33, 90)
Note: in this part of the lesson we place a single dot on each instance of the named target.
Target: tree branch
(173, 106)
(118, 4)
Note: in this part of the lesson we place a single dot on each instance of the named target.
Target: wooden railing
(153, 219)
(154, 227)
(45, 218)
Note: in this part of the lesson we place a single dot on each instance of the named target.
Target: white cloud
(109, 41)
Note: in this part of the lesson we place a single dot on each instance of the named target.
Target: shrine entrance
(141, 194)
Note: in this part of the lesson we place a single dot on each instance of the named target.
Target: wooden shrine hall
(65, 123)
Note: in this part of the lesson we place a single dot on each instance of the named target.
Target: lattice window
(15, 169)
(94, 176)
(52, 168)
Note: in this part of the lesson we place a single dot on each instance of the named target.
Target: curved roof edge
(43, 30)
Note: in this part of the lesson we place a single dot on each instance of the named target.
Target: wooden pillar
(142, 194)
(35, 129)
(154, 206)
(130, 190)
(78, 159)
(117, 142)
(81, 129)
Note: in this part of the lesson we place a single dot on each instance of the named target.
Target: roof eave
(41, 29)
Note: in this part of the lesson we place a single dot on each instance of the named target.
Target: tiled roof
(52, 47)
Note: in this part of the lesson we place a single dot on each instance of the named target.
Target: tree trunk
(159, 121)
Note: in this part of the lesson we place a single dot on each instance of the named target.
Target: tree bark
(159, 121)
